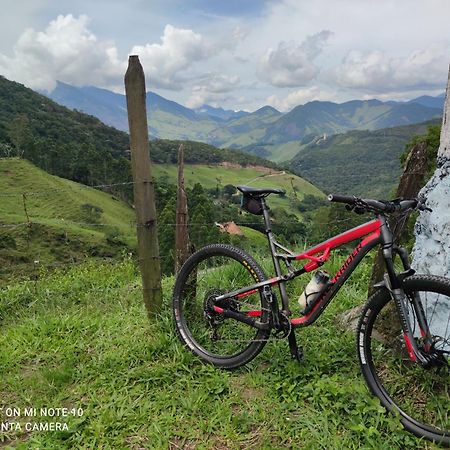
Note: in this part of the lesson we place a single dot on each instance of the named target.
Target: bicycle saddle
(257, 192)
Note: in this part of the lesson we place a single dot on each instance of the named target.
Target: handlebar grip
(409, 204)
(349, 199)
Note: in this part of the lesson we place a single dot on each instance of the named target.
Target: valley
(50, 155)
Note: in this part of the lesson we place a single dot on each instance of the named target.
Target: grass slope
(81, 339)
(172, 126)
(66, 227)
(212, 175)
(61, 229)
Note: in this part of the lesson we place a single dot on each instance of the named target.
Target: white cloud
(377, 72)
(65, 51)
(299, 97)
(291, 64)
(166, 63)
(213, 89)
(68, 51)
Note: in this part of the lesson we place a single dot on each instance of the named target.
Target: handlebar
(361, 205)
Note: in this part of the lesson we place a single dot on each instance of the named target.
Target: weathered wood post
(182, 242)
(144, 193)
(431, 253)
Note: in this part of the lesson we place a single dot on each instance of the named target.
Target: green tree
(19, 133)
(228, 191)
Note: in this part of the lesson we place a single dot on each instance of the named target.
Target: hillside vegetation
(364, 163)
(47, 220)
(212, 176)
(79, 147)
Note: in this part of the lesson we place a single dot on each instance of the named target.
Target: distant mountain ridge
(80, 147)
(220, 113)
(266, 130)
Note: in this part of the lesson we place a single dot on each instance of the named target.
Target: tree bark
(431, 253)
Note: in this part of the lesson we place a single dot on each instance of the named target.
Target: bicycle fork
(394, 284)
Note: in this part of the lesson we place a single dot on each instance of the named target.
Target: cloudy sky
(239, 54)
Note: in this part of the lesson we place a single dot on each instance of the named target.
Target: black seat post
(276, 262)
(266, 216)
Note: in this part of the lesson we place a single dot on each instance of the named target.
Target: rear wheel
(419, 396)
(208, 273)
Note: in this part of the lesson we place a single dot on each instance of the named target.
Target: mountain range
(36, 131)
(265, 132)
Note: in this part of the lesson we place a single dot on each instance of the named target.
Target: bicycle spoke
(208, 332)
(422, 395)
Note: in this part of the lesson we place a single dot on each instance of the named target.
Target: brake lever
(425, 208)
(358, 209)
(421, 204)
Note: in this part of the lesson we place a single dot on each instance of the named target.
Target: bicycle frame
(371, 234)
(370, 229)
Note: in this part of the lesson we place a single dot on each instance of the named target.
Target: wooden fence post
(144, 193)
(182, 242)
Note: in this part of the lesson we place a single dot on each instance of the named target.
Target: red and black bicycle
(225, 309)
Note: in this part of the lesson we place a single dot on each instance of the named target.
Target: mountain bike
(225, 310)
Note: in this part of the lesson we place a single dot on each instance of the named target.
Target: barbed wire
(129, 183)
(50, 222)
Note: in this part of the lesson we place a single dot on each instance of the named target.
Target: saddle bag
(251, 205)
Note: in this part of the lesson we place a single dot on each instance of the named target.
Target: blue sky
(236, 54)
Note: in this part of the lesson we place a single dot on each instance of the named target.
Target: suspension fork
(415, 299)
(395, 287)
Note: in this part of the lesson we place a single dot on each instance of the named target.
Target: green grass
(170, 126)
(54, 221)
(53, 200)
(54, 227)
(212, 175)
(81, 339)
(255, 238)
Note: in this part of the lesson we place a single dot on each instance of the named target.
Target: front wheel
(213, 271)
(419, 396)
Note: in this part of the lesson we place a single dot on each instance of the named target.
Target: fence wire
(37, 235)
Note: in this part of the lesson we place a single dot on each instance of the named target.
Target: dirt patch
(177, 443)
(137, 442)
(8, 173)
(230, 228)
(246, 393)
(15, 442)
(232, 165)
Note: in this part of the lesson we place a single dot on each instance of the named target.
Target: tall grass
(81, 339)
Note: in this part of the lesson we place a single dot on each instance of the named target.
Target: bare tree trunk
(182, 241)
(431, 252)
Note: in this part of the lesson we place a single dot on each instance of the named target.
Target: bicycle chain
(277, 334)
